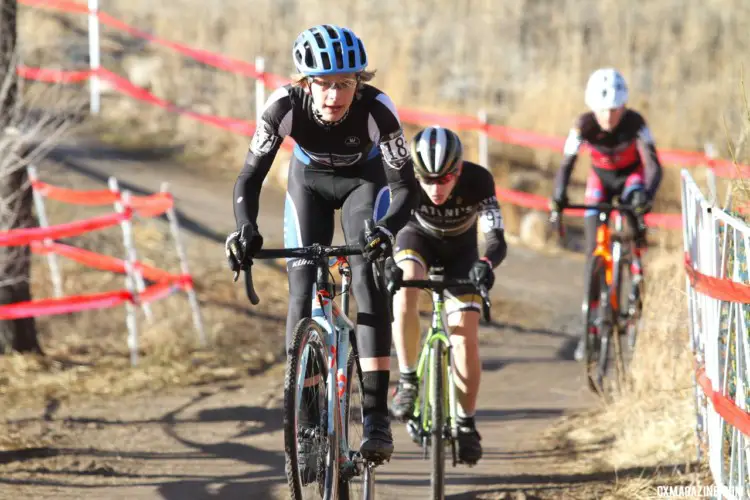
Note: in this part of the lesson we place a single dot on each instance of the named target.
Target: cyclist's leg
(308, 218)
(635, 193)
(412, 253)
(458, 255)
(595, 193)
(463, 319)
(373, 322)
(463, 308)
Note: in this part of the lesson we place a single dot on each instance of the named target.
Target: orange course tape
(729, 411)
(717, 288)
(24, 236)
(99, 261)
(724, 168)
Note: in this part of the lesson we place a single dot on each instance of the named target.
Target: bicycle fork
(338, 326)
(425, 400)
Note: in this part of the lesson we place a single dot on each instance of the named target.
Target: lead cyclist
(350, 152)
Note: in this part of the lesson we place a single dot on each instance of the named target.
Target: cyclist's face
(439, 191)
(333, 94)
(609, 118)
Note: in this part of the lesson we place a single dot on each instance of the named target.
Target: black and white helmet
(436, 152)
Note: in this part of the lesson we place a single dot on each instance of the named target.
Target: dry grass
(525, 62)
(739, 189)
(87, 353)
(651, 423)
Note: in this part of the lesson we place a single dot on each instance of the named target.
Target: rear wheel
(308, 448)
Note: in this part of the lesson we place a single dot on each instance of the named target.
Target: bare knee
(407, 298)
(464, 328)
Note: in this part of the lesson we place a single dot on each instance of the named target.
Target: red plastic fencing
(144, 206)
(499, 133)
(41, 241)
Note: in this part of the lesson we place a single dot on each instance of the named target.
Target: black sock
(375, 388)
(465, 422)
(409, 377)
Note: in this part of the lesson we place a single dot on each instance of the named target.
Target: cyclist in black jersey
(624, 162)
(456, 196)
(350, 151)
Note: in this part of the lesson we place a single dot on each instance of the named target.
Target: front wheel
(635, 311)
(629, 314)
(355, 487)
(598, 328)
(310, 451)
(437, 403)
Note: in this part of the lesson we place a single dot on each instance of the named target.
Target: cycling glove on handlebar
(376, 243)
(481, 273)
(240, 245)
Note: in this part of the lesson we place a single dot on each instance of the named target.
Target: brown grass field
(525, 62)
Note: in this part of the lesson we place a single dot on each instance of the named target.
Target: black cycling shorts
(456, 255)
(313, 196)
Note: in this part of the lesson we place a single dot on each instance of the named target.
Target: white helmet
(606, 89)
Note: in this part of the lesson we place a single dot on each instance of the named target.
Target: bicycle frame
(604, 251)
(336, 329)
(334, 321)
(611, 252)
(437, 333)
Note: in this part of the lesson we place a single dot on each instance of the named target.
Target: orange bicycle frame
(604, 250)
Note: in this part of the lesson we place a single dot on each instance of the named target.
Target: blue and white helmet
(606, 89)
(327, 50)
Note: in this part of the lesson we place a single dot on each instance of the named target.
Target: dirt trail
(225, 440)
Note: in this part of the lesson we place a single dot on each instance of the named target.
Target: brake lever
(485, 303)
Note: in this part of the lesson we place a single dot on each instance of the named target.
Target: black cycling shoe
(404, 400)
(308, 454)
(469, 446)
(377, 443)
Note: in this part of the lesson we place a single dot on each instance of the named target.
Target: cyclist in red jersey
(623, 157)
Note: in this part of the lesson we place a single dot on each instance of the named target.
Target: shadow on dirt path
(225, 441)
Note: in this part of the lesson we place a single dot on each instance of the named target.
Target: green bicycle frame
(436, 334)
